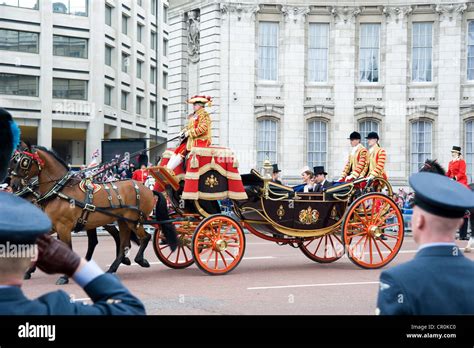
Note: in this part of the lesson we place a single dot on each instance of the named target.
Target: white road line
(227, 259)
(309, 285)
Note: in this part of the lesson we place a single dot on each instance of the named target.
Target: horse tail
(168, 229)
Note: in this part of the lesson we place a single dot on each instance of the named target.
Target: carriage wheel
(324, 249)
(218, 244)
(180, 258)
(373, 230)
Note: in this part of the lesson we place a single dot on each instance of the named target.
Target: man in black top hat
(438, 281)
(21, 225)
(276, 174)
(320, 179)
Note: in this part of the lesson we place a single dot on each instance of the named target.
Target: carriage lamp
(267, 176)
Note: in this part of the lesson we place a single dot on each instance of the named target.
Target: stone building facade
(291, 80)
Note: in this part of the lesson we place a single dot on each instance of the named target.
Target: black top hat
(450, 199)
(456, 149)
(275, 168)
(372, 135)
(319, 170)
(354, 136)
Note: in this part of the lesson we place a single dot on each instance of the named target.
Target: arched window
(469, 150)
(367, 126)
(267, 140)
(421, 144)
(317, 143)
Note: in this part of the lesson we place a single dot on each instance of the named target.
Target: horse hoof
(126, 261)
(27, 276)
(62, 281)
(143, 263)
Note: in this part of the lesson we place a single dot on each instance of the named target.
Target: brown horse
(65, 203)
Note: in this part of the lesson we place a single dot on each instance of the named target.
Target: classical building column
(396, 72)
(293, 122)
(344, 84)
(237, 82)
(449, 128)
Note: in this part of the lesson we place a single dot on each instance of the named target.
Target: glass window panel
(369, 52)
(60, 45)
(469, 152)
(268, 51)
(139, 69)
(422, 51)
(318, 52)
(108, 55)
(108, 95)
(124, 24)
(317, 143)
(28, 42)
(421, 134)
(139, 105)
(77, 47)
(9, 40)
(61, 7)
(60, 88)
(365, 127)
(267, 141)
(108, 15)
(124, 100)
(78, 7)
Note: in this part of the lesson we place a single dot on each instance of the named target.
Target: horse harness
(25, 159)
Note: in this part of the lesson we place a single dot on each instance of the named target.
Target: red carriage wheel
(324, 249)
(180, 258)
(373, 230)
(218, 244)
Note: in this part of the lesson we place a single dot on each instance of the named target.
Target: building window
(365, 127)
(421, 135)
(108, 15)
(267, 131)
(139, 32)
(30, 4)
(165, 47)
(124, 101)
(268, 51)
(318, 48)
(71, 7)
(67, 46)
(108, 55)
(422, 51)
(369, 52)
(139, 69)
(317, 143)
(469, 152)
(470, 51)
(124, 24)
(140, 2)
(20, 41)
(153, 40)
(125, 62)
(165, 14)
(12, 84)
(165, 80)
(152, 75)
(152, 109)
(139, 105)
(153, 7)
(108, 95)
(69, 89)
(164, 113)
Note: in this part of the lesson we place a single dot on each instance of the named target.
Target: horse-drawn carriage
(358, 218)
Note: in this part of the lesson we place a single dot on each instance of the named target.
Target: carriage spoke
(177, 254)
(216, 260)
(223, 259)
(370, 249)
(355, 235)
(381, 241)
(317, 248)
(378, 250)
(332, 244)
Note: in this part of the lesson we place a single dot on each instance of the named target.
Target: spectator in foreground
(438, 281)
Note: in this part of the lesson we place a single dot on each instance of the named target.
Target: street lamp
(267, 176)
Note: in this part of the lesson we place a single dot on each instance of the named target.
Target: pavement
(271, 279)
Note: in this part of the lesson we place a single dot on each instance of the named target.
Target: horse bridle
(24, 160)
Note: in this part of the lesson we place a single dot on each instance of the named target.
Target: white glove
(371, 177)
(350, 177)
(186, 134)
(182, 135)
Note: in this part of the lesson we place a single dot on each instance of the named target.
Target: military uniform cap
(372, 135)
(20, 221)
(354, 136)
(441, 196)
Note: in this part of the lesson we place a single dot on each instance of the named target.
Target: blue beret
(439, 195)
(20, 221)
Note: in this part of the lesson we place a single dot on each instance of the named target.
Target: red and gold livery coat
(199, 129)
(377, 159)
(357, 163)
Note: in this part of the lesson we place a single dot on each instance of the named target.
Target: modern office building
(74, 72)
(292, 79)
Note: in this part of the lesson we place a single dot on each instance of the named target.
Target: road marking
(309, 285)
(227, 259)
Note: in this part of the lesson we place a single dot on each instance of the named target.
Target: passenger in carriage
(320, 179)
(307, 185)
(357, 162)
(276, 174)
(377, 157)
(196, 133)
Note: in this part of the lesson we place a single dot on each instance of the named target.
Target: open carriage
(358, 219)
